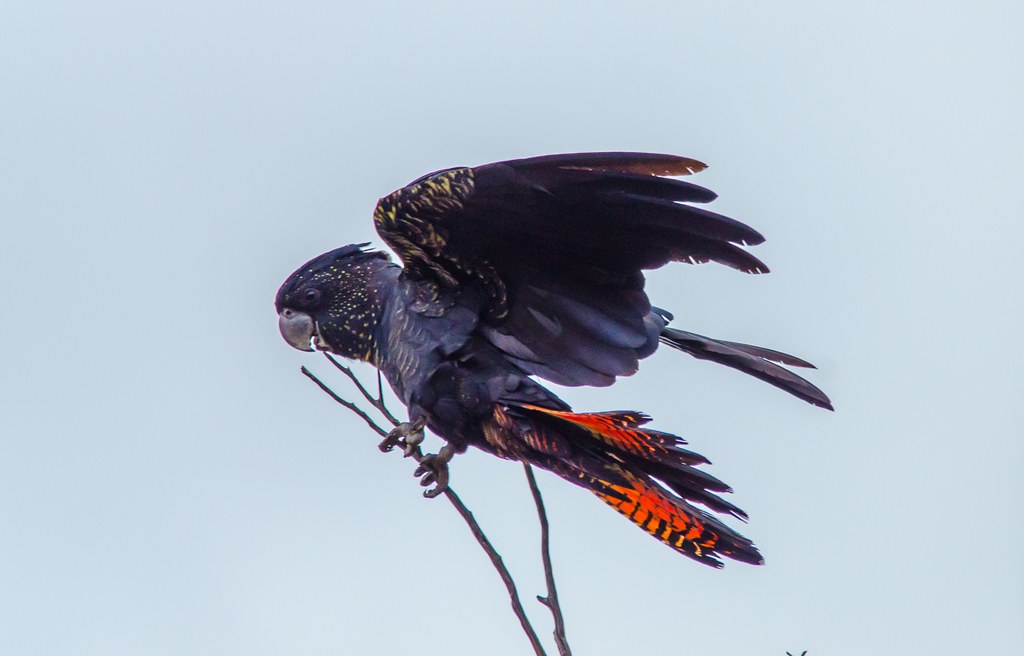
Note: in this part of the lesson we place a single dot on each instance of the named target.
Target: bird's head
(330, 301)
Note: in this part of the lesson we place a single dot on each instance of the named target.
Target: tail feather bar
(628, 467)
(671, 520)
(622, 431)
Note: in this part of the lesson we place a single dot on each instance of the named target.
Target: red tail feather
(584, 448)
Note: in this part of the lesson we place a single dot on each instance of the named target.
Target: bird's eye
(311, 296)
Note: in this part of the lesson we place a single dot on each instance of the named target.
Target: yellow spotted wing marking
(407, 220)
(411, 221)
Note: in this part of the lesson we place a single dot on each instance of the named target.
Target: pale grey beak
(297, 328)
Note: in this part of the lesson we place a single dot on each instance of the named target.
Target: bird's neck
(352, 323)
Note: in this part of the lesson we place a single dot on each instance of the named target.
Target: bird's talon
(389, 442)
(411, 444)
(434, 470)
(408, 435)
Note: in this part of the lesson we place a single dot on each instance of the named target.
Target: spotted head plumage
(331, 301)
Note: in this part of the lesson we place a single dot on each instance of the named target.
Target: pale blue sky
(170, 483)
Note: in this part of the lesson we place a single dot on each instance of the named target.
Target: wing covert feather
(558, 245)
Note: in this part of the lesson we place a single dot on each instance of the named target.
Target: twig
(478, 533)
(417, 455)
(348, 404)
(551, 601)
(375, 402)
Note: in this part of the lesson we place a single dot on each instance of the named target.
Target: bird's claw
(434, 469)
(407, 434)
(411, 445)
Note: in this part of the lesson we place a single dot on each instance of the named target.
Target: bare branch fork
(551, 600)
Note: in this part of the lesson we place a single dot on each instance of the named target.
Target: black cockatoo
(530, 269)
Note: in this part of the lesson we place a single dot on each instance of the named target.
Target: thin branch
(417, 455)
(551, 601)
(375, 402)
(517, 607)
(380, 397)
(351, 406)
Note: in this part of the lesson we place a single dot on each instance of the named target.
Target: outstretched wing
(558, 244)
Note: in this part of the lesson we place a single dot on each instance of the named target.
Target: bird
(531, 270)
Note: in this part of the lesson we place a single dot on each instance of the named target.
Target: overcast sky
(170, 483)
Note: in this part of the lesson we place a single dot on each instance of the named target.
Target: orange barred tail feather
(656, 453)
(668, 518)
(629, 468)
(621, 430)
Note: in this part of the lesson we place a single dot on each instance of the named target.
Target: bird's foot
(434, 469)
(408, 435)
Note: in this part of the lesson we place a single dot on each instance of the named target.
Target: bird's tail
(754, 360)
(641, 473)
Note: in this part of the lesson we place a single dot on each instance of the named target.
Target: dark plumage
(530, 268)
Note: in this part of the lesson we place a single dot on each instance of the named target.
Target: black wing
(558, 244)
